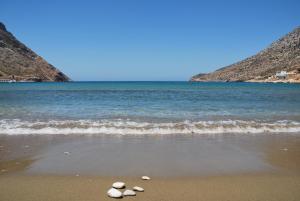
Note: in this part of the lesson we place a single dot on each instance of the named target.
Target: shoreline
(158, 155)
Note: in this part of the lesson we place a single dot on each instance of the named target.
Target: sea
(148, 108)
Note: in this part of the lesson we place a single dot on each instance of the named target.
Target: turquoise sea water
(148, 108)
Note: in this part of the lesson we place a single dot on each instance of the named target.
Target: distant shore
(255, 81)
(279, 81)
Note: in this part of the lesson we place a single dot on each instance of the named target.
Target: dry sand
(239, 187)
(282, 183)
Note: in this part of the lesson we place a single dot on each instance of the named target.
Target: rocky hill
(20, 63)
(282, 55)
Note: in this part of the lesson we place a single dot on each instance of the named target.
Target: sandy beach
(239, 187)
(273, 174)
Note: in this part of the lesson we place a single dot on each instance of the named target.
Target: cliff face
(282, 55)
(20, 63)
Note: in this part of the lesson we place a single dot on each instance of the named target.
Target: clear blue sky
(147, 40)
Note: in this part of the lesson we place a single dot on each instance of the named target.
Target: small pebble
(284, 149)
(145, 178)
(26, 146)
(129, 193)
(118, 185)
(114, 193)
(67, 153)
(139, 189)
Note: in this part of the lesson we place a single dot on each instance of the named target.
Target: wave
(129, 127)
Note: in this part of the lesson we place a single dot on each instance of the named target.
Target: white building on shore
(281, 75)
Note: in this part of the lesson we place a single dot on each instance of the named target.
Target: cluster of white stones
(115, 193)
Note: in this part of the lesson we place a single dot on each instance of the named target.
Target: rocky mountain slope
(20, 63)
(282, 55)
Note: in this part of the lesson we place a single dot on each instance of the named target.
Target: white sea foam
(128, 127)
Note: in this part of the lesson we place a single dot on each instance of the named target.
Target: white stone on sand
(139, 189)
(145, 178)
(129, 193)
(118, 185)
(67, 153)
(114, 193)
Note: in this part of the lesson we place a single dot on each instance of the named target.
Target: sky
(158, 40)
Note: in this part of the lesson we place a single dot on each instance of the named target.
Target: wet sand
(221, 167)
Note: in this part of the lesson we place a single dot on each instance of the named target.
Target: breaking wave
(129, 127)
